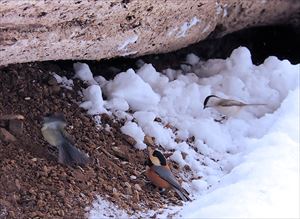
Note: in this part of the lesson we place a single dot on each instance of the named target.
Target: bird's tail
(255, 104)
(183, 194)
(69, 154)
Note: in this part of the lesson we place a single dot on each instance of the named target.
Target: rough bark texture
(38, 30)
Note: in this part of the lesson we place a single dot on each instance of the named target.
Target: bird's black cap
(161, 157)
(206, 100)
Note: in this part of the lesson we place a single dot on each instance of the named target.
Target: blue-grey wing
(166, 175)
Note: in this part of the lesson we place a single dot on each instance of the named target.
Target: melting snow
(249, 165)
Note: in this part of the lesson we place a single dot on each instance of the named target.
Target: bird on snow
(226, 107)
(53, 130)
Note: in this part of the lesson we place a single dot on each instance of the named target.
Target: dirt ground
(34, 185)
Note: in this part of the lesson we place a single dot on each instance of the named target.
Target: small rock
(187, 168)
(11, 214)
(61, 212)
(132, 177)
(120, 154)
(184, 155)
(40, 203)
(56, 89)
(157, 119)
(17, 182)
(45, 169)
(138, 187)
(34, 159)
(32, 191)
(27, 98)
(109, 188)
(136, 196)
(127, 184)
(61, 193)
(129, 139)
(52, 81)
(16, 126)
(6, 136)
(115, 192)
(3, 123)
(168, 126)
(128, 188)
(11, 116)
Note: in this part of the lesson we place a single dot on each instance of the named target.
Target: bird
(53, 130)
(226, 107)
(160, 175)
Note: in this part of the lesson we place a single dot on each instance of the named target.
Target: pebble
(137, 187)
(16, 126)
(6, 136)
(52, 81)
(17, 182)
(132, 177)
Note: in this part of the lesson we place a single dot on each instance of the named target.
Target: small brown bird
(54, 132)
(226, 107)
(160, 175)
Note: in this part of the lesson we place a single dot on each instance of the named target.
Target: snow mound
(245, 167)
(93, 100)
(128, 86)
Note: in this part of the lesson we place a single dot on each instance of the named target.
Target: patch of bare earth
(34, 184)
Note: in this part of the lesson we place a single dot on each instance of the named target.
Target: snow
(66, 83)
(92, 96)
(247, 166)
(93, 100)
(104, 209)
(83, 72)
(131, 129)
(127, 85)
(265, 184)
(192, 59)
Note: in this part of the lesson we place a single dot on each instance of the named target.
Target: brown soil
(34, 184)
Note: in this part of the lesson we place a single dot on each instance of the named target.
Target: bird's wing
(166, 175)
(228, 103)
(68, 136)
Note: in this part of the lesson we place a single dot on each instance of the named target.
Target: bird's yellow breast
(52, 136)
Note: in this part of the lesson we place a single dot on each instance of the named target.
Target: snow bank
(245, 167)
(266, 182)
